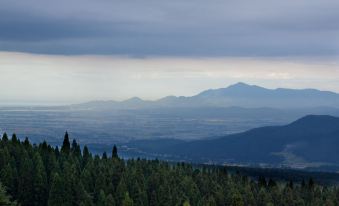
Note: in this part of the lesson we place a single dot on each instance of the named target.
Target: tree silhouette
(66, 146)
(115, 152)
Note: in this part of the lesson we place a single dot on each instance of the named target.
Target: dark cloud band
(176, 28)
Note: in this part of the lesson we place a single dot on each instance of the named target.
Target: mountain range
(212, 126)
(239, 95)
(309, 142)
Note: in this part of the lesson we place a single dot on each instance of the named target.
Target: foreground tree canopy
(43, 175)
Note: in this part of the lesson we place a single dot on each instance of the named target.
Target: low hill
(312, 141)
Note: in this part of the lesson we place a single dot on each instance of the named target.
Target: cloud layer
(171, 28)
(57, 79)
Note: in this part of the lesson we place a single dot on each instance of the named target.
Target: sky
(70, 51)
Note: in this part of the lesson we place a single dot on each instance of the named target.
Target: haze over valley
(165, 123)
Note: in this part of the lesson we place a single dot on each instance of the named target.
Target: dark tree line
(41, 175)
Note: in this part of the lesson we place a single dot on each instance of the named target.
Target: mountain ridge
(239, 94)
(311, 141)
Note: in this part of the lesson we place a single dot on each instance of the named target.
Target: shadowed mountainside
(311, 141)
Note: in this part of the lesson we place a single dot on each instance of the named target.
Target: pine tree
(210, 201)
(26, 188)
(14, 139)
(100, 184)
(264, 197)
(236, 199)
(311, 183)
(86, 156)
(101, 199)
(69, 182)
(76, 151)
(262, 181)
(57, 193)
(121, 190)
(7, 178)
(153, 199)
(5, 156)
(81, 196)
(27, 144)
(56, 152)
(115, 152)
(249, 198)
(303, 184)
(271, 183)
(39, 182)
(5, 137)
(66, 147)
(104, 156)
(127, 200)
(110, 200)
(4, 198)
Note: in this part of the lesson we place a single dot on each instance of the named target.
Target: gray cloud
(175, 28)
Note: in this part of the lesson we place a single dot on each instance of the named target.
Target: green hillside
(42, 175)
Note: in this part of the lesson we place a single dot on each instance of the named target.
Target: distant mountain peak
(239, 84)
(238, 89)
(242, 85)
(134, 99)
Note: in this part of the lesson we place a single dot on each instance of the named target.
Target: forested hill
(309, 142)
(42, 175)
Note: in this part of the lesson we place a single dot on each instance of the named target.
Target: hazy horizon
(59, 79)
(60, 103)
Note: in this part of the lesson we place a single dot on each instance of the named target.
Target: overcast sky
(78, 50)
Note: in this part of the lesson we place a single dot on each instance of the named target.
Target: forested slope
(309, 142)
(43, 175)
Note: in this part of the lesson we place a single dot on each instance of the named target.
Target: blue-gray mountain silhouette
(239, 95)
(311, 141)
